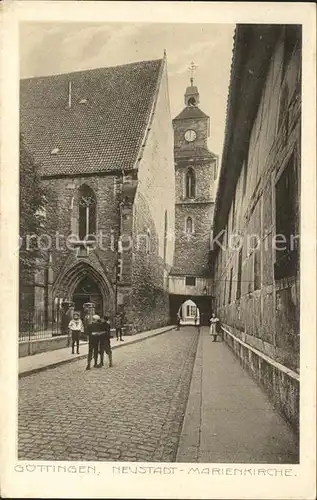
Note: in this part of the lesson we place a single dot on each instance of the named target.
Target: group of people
(215, 329)
(99, 335)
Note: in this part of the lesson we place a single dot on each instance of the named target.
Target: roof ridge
(135, 63)
(188, 109)
(151, 112)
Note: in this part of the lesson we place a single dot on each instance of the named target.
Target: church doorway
(87, 291)
(189, 313)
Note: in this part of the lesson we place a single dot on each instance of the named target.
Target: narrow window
(230, 286)
(165, 235)
(215, 169)
(245, 170)
(257, 269)
(190, 281)
(233, 210)
(286, 222)
(87, 212)
(148, 242)
(193, 311)
(190, 183)
(224, 292)
(189, 225)
(238, 294)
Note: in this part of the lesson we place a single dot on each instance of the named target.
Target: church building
(103, 140)
(195, 176)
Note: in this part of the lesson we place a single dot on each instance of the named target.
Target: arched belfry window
(189, 226)
(87, 211)
(190, 183)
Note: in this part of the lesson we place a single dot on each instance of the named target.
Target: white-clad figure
(214, 324)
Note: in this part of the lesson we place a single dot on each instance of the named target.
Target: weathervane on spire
(192, 69)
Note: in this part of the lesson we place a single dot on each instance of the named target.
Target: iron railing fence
(35, 325)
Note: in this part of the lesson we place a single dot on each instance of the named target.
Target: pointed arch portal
(83, 283)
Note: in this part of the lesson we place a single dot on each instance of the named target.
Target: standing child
(213, 327)
(76, 327)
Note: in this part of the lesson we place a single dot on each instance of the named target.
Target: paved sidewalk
(229, 419)
(45, 360)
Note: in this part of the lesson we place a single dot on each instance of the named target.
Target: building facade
(255, 249)
(104, 142)
(195, 176)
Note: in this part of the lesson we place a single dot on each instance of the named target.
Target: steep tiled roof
(102, 133)
(190, 112)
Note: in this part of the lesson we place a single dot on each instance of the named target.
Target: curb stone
(83, 356)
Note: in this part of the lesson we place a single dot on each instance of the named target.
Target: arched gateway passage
(189, 313)
(203, 304)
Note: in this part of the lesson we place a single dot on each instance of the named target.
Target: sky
(52, 48)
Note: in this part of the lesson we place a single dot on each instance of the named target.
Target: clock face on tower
(190, 135)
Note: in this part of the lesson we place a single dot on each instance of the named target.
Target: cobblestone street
(133, 411)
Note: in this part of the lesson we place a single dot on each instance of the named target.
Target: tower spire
(192, 94)
(192, 69)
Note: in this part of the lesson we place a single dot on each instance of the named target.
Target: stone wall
(29, 347)
(192, 250)
(155, 196)
(62, 215)
(268, 309)
(204, 180)
(260, 309)
(62, 222)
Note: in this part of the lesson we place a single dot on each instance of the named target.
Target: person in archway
(76, 327)
(213, 327)
(197, 320)
(104, 341)
(178, 320)
(94, 330)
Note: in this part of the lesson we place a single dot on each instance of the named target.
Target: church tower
(195, 175)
